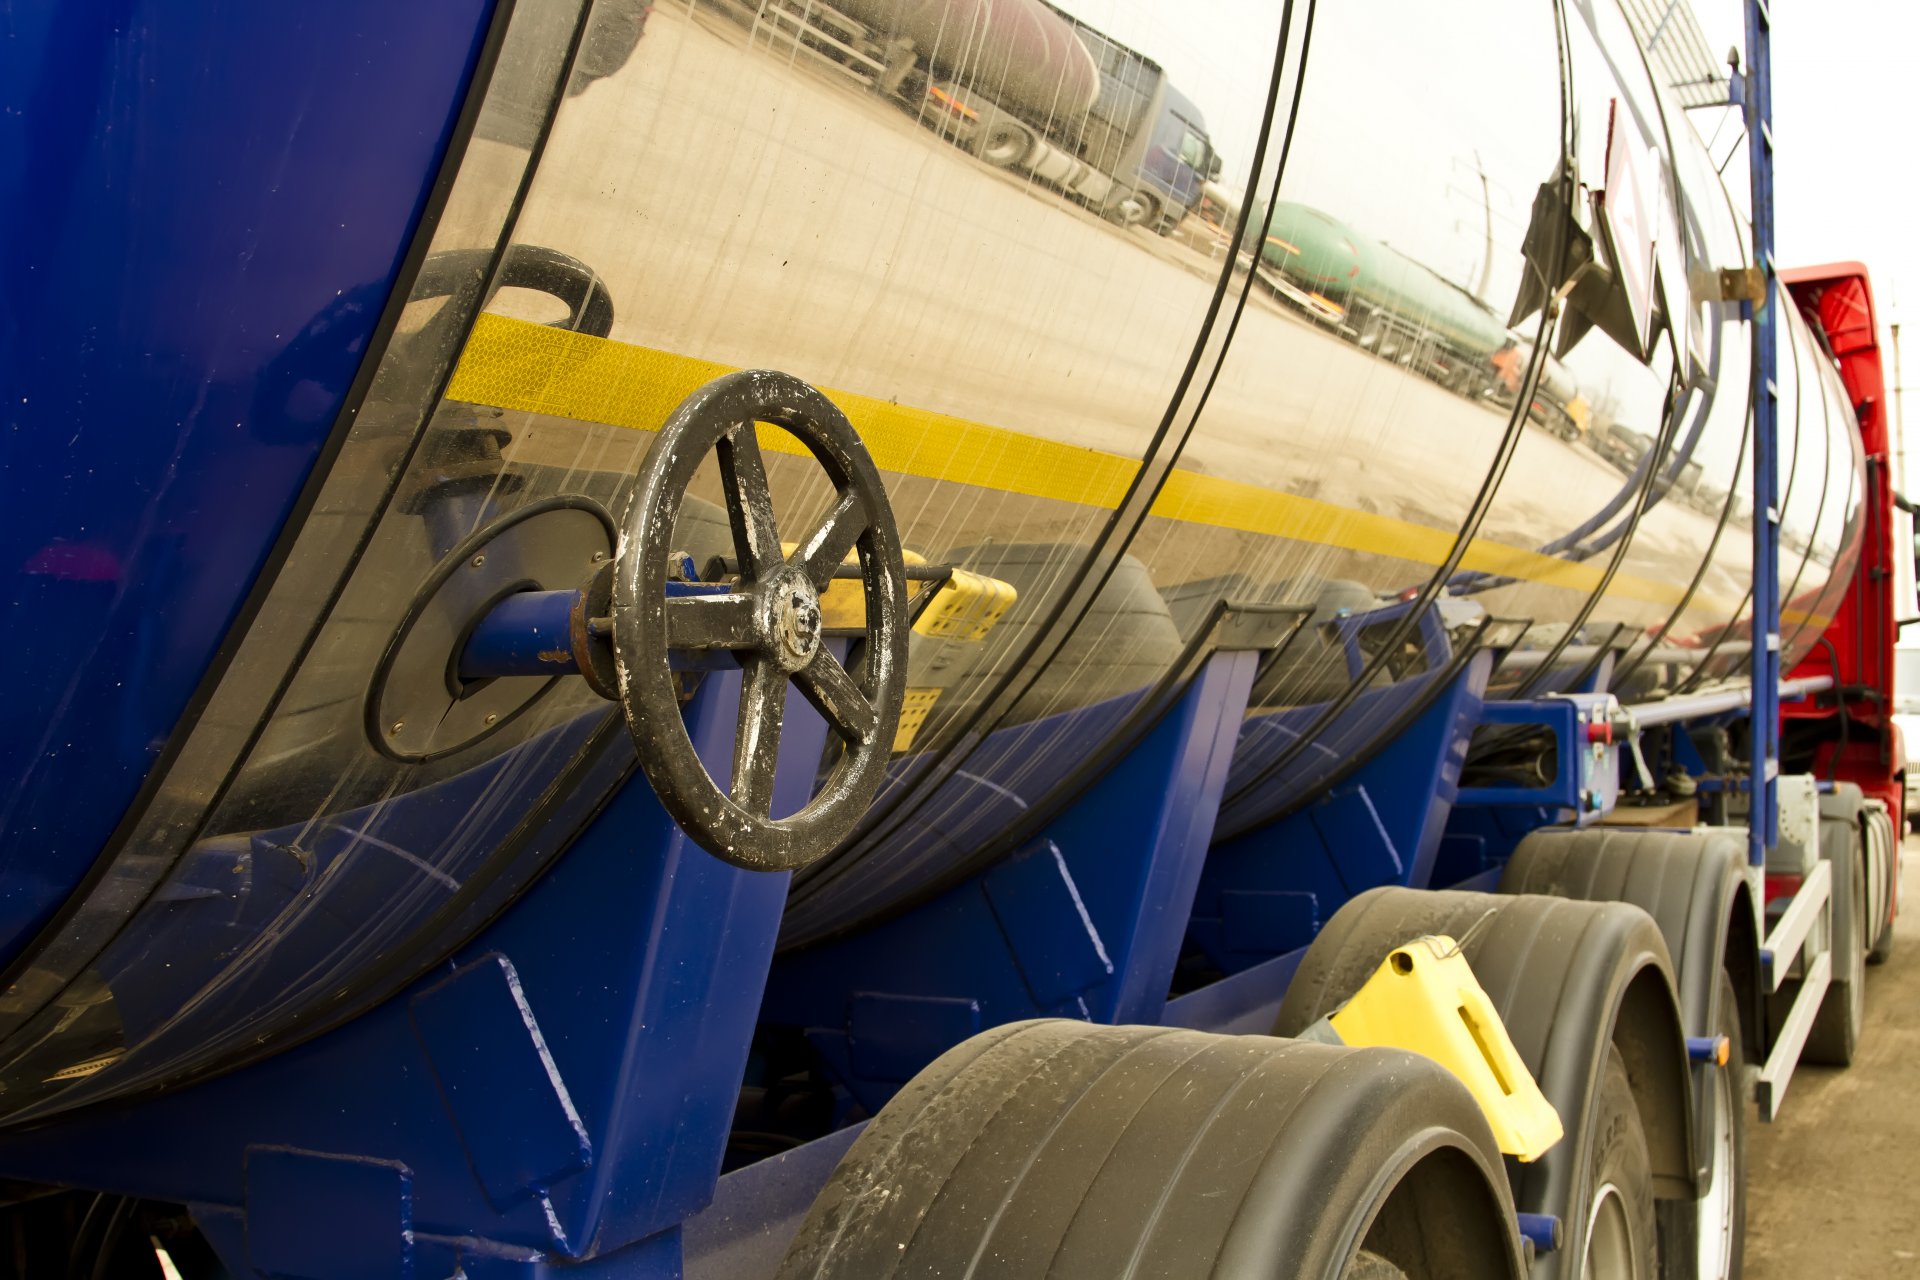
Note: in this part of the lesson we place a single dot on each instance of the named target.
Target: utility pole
(1486, 203)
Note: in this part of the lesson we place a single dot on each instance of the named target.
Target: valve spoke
(827, 546)
(770, 621)
(756, 535)
(756, 743)
(834, 694)
(711, 622)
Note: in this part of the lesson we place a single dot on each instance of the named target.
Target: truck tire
(1152, 211)
(1579, 985)
(1124, 643)
(1694, 887)
(1835, 1035)
(1880, 827)
(1125, 207)
(1620, 1236)
(1059, 1148)
(1705, 1239)
(1004, 143)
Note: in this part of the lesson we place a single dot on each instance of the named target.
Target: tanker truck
(1403, 311)
(687, 682)
(1026, 87)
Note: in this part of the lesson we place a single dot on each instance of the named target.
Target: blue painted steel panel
(1043, 916)
(498, 1078)
(756, 1211)
(1274, 771)
(1268, 921)
(287, 1239)
(1087, 923)
(1586, 782)
(202, 210)
(890, 1037)
(1240, 1004)
(1019, 765)
(639, 958)
(1348, 823)
(249, 927)
(1382, 826)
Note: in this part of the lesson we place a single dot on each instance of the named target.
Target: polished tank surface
(1517, 421)
(192, 270)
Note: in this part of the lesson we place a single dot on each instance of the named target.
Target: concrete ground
(1834, 1184)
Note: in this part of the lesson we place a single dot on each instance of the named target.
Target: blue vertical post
(1763, 821)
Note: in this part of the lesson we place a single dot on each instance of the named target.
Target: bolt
(598, 556)
(479, 560)
(398, 725)
(492, 716)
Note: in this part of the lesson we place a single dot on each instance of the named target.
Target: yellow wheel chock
(1424, 998)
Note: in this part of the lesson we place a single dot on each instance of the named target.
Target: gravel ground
(1834, 1184)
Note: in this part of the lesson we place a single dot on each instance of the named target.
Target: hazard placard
(1630, 226)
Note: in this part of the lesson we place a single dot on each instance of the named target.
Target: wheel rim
(1128, 209)
(1610, 1246)
(1005, 145)
(1715, 1242)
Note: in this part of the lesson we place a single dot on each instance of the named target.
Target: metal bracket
(1777, 956)
(1771, 1086)
(1587, 775)
(1789, 935)
(1730, 284)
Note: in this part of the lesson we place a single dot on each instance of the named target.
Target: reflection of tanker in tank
(1622, 447)
(1558, 404)
(1405, 312)
(1027, 51)
(1028, 87)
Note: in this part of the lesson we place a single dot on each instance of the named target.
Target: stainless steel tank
(1020, 53)
(1123, 427)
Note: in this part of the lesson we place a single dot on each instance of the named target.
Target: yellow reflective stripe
(1232, 504)
(515, 364)
(534, 368)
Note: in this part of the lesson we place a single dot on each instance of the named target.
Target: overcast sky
(1846, 131)
(1846, 121)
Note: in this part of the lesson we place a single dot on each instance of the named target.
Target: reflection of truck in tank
(1404, 312)
(1622, 447)
(1557, 403)
(1025, 87)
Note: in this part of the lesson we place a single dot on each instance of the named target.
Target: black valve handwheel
(770, 620)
